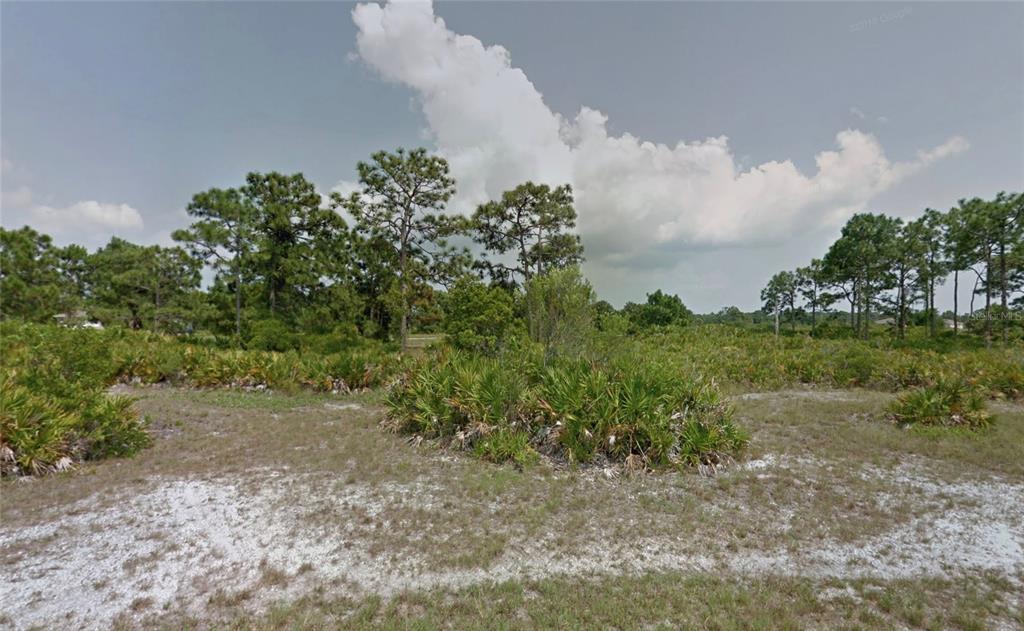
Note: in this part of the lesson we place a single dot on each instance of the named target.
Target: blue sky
(114, 114)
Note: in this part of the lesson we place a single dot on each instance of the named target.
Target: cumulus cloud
(87, 215)
(89, 222)
(635, 198)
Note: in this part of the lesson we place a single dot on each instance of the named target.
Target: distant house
(77, 320)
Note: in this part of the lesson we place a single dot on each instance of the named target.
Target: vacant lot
(266, 510)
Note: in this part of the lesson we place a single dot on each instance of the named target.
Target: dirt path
(153, 539)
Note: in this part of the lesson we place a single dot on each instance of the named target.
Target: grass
(848, 429)
(664, 601)
(448, 513)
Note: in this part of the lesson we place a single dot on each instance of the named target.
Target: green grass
(666, 600)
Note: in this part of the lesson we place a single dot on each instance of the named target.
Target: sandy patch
(181, 543)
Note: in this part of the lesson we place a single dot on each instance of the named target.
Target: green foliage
(882, 264)
(399, 209)
(53, 406)
(559, 310)
(37, 279)
(506, 445)
(661, 309)
(36, 433)
(779, 296)
(54, 409)
(753, 358)
(477, 317)
(142, 287)
(642, 414)
(534, 223)
(271, 335)
(946, 403)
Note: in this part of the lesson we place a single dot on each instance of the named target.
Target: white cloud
(83, 221)
(18, 198)
(87, 216)
(89, 223)
(856, 111)
(637, 200)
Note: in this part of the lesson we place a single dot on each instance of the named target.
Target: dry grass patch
(335, 507)
(667, 601)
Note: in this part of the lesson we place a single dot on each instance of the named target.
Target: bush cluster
(946, 403)
(640, 413)
(754, 358)
(54, 408)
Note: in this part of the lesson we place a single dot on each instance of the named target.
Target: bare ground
(248, 501)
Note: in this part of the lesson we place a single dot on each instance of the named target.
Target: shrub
(41, 431)
(272, 335)
(755, 358)
(54, 409)
(477, 317)
(638, 413)
(947, 403)
(559, 310)
(661, 309)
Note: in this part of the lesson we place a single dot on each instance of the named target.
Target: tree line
(282, 258)
(885, 265)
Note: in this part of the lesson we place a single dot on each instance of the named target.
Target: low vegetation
(947, 403)
(56, 410)
(750, 358)
(53, 406)
(641, 414)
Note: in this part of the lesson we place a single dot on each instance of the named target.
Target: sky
(708, 145)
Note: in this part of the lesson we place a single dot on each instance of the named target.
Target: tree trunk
(238, 285)
(238, 306)
(540, 251)
(974, 292)
(403, 263)
(900, 310)
(1002, 290)
(853, 322)
(777, 309)
(956, 300)
(855, 308)
(931, 307)
(156, 305)
(988, 299)
(867, 316)
(403, 328)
